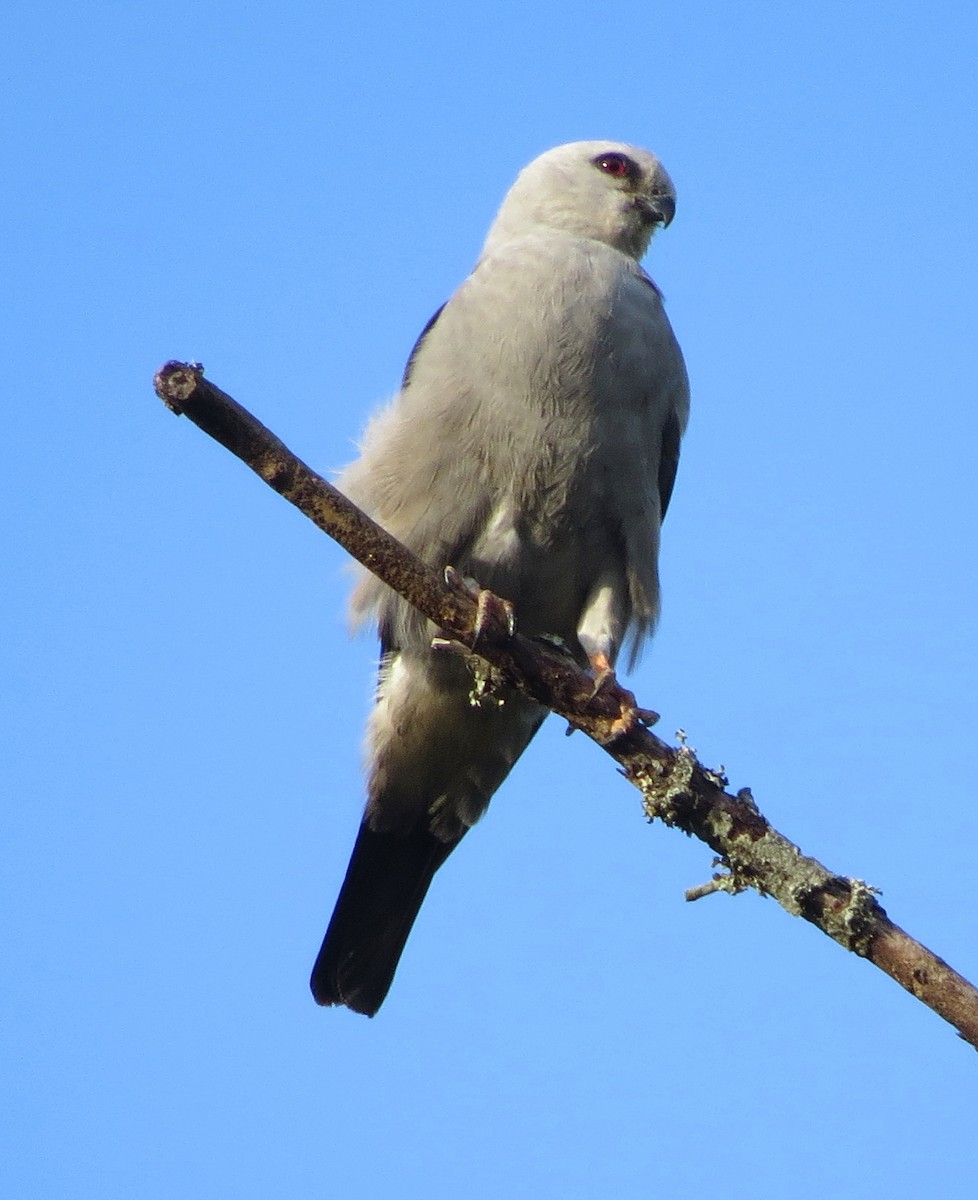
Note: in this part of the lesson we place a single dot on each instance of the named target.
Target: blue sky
(286, 192)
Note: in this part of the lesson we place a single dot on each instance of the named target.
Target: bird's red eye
(619, 165)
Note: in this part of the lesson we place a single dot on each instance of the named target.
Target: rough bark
(675, 787)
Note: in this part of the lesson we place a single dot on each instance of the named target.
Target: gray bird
(533, 445)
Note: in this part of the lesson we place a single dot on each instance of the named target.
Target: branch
(675, 787)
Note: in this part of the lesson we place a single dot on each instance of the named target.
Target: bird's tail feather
(387, 880)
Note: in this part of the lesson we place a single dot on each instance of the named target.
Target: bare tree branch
(675, 787)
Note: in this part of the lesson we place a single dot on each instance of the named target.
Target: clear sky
(286, 192)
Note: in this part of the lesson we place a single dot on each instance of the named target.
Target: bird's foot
(606, 683)
(492, 611)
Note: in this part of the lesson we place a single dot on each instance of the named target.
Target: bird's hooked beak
(657, 210)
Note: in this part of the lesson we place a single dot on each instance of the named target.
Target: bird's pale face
(615, 193)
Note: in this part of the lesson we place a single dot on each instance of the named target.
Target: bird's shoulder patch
(416, 348)
(647, 279)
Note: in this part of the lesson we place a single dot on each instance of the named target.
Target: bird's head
(609, 191)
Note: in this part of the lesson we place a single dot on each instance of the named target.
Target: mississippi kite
(533, 446)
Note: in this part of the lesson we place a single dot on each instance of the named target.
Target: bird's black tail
(387, 879)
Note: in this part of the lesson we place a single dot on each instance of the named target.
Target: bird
(533, 447)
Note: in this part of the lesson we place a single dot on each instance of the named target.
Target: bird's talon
(456, 579)
(490, 608)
